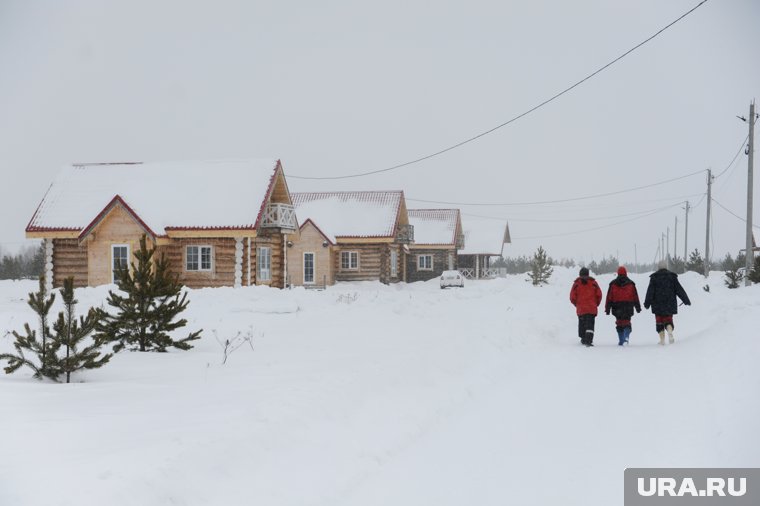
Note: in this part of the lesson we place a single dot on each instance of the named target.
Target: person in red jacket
(585, 296)
(622, 299)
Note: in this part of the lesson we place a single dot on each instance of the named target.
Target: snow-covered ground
(366, 394)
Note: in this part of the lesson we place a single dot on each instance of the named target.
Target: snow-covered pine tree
(695, 262)
(42, 355)
(69, 334)
(733, 278)
(541, 269)
(146, 314)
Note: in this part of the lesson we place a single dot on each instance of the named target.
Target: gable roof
(485, 237)
(222, 194)
(434, 226)
(351, 214)
(319, 230)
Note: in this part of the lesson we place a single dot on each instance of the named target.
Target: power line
(733, 213)
(741, 148)
(540, 202)
(518, 220)
(591, 229)
(515, 118)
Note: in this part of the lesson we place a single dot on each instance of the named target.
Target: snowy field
(366, 394)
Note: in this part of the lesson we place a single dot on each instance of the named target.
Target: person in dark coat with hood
(622, 299)
(661, 297)
(586, 295)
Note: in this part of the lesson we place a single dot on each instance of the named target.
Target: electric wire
(733, 213)
(556, 201)
(518, 220)
(515, 118)
(576, 232)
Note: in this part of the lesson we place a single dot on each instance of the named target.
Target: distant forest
(609, 265)
(29, 263)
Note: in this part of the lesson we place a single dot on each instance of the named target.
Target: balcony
(279, 216)
(405, 234)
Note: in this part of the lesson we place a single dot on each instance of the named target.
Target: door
(308, 268)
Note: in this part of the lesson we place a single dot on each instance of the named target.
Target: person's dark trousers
(586, 328)
(661, 321)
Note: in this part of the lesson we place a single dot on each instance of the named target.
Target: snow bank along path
(405, 394)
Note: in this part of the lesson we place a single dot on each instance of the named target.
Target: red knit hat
(622, 271)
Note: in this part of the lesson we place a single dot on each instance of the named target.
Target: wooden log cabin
(437, 238)
(483, 240)
(219, 223)
(350, 236)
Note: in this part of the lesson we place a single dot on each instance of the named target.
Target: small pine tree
(541, 269)
(145, 315)
(69, 334)
(754, 274)
(733, 278)
(43, 359)
(695, 262)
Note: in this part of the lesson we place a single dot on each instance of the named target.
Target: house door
(308, 268)
(119, 259)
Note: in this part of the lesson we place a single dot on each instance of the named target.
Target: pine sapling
(146, 313)
(541, 269)
(70, 334)
(42, 351)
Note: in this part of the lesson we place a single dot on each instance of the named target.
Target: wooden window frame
(200, 248)
(313, 267)
(422, 268)
(351, 265)
(259, 269)
(114, 246)
(394, 264)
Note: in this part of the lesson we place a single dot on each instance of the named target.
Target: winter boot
(626, 334)
(669, 328)
(621, 337)
(662, 337)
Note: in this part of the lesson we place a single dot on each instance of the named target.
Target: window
(308, 268)
(425, 262)
(349, 259)
(119, 259)
(264, 263)
(394, 263)
(198, 258)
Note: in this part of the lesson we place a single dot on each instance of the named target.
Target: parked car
(452, 278)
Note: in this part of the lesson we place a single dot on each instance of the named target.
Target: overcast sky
(339, 87)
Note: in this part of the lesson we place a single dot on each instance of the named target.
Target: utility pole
(667, 250)
(675, 240)
(749, 260)
(707, 225)
(686, 234)
(635, 258)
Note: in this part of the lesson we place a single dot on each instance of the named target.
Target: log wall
(440, 263)
(69, 259)
(222, 271)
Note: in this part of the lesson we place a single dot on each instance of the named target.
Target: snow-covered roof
(484, 237)
(196, 194)
(434, 226)
(350, 214)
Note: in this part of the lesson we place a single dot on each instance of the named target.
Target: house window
(308, 268)
(264, 263)
(425, 262)
(349, 259)
(119, 260)
(198, 258)
(394, 263)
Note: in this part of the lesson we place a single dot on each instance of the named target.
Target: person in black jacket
(661, 296)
